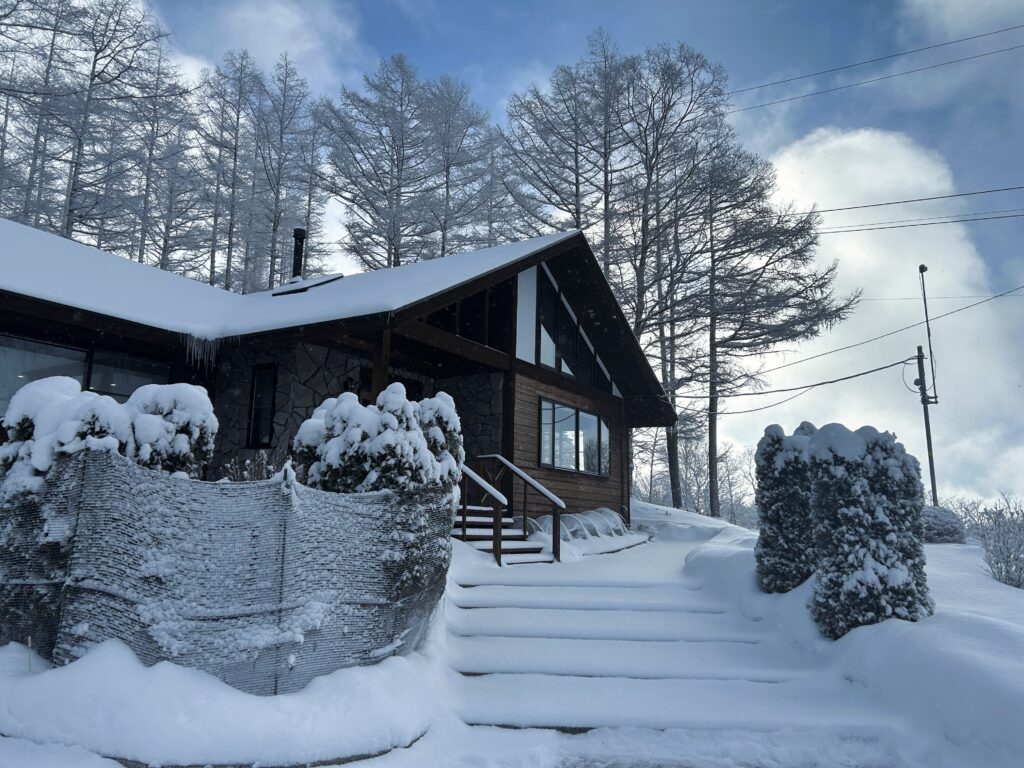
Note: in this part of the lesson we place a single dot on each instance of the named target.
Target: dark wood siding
(580, 492)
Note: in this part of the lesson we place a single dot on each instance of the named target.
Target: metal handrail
(496, 508)
(526, 478)
(557, 505)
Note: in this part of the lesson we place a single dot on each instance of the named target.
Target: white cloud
(977, 424)
(322, 36)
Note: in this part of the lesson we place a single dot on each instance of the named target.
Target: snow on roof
(45, 266)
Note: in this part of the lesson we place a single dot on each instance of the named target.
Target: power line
(894, 332)
(763, 407)
(875, 79)
(911, 200)
(936, 298)
(923, 218)
(922, 224)
(804, 386)
(875, 60)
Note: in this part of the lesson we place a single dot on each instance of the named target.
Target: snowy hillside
(667, 652)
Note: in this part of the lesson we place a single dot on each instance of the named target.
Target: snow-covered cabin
(526, 337)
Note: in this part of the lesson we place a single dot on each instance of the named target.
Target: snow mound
(108, 702)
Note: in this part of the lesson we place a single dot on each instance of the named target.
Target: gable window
(573, 439)
(561, 342)
(261, 406)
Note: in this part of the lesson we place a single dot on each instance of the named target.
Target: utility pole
(922, 385)
(926, 400)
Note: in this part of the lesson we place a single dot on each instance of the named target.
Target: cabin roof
(51, 268)
(94, 287)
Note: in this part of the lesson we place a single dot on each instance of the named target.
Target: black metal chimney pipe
(300, 240)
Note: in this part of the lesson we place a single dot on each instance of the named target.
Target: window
(548, 325)
(22, 361)
(561, 342)
(118, 375)
(573, 439)
(261, 408)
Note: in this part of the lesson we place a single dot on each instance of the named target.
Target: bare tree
(379, 163)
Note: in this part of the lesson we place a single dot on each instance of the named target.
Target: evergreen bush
(785, 543)
(866, 504)
(943, 526)
(394, 444)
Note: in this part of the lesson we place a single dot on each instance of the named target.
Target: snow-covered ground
(666, 651)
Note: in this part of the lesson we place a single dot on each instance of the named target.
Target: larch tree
(380, 165)
(461, 143)
(761, 286)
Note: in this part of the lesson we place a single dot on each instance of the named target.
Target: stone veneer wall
(307, 374)
(264, 584)
(478, 401)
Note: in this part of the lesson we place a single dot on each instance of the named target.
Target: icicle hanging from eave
(201, 352)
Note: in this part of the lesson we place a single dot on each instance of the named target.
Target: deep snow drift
(671, 635)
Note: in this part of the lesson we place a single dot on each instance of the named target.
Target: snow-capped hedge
(942, 526)
(785, 543)
(163, 426)
(395, 444)
(867, 502)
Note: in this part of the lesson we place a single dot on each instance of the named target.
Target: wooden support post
(556, 533)
(465, 506)
(496, 531)
(381, 362)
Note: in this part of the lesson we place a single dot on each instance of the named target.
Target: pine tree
(785, 543)
(866, 500)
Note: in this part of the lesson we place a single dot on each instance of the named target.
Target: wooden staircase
(486, 523)
(476, 528)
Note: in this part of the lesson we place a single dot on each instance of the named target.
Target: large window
(23, 360)
(118, 375)
(561, 342)
(573, 439)
(109, 373)
(261, 406)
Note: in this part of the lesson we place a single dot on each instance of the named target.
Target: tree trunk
(713, 505)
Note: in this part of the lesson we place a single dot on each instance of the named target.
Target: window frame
(602, 472)
(250, 441)
(563, 305)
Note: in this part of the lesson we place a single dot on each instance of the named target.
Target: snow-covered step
(482, 520)
(601, 625)
(615, 658)
(527, 558)
(486, 534)
(531, 700)
(583, 598)
(508, 545)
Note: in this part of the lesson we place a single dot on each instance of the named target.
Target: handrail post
(525, 488)
(465, 505)
(496, 531)
(556, 533)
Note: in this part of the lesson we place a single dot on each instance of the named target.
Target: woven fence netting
(264, 584)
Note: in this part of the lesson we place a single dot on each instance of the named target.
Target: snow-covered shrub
(443, 432)
(347, 447)
(174, 427)
(866, 500)
(942, 526)
(163, 426)
(785, 543)
(999, 528)
(259, 466)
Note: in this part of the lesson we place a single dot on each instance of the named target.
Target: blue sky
(952, 129)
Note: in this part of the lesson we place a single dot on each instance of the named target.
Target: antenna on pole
(921, 269)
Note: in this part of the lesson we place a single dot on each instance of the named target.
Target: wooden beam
(456, 345)
(381, 363)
